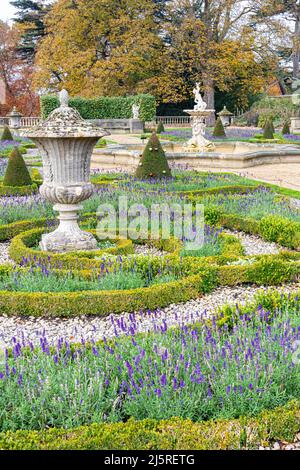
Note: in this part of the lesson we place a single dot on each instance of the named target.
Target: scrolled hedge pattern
(267, 270)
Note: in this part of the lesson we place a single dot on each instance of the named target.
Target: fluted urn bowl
(66, 143)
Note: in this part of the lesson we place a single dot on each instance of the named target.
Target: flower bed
(191, 278)
(281, 424)
(216, 377)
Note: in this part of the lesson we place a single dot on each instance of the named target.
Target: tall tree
(99, 46)
(16, 75)
(287, 14)
(30, 16)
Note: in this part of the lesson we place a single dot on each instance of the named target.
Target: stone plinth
(66, 143)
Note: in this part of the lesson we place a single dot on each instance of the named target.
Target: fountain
(198, 143)
(66, 144)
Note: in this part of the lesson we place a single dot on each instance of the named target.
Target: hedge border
(19, 250)
(18, 190)
(104, 107)
(280, 424)
(267, 270)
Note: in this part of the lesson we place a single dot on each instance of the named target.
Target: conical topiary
(160, 128)
(16, 173)
(219, 130)
(268, 130)
(286, 128)
(153, 163)
(6, 134)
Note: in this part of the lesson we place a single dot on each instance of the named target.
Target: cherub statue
(200, 104)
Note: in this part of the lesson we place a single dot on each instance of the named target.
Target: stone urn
(66, 143)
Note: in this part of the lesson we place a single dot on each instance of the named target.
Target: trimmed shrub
(280, 424)
(16, 173)
(6, 134)
(286, 128)
(36, 175)
(268, 130)
(105, 107)
(160, 128)
(18, 191)
(219, 130)
(153, 163)
(277, 229)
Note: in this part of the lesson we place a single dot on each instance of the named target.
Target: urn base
(68, 236)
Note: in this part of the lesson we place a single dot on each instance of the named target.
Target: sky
(6, 10)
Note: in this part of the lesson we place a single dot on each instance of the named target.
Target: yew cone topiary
(268, 130)
(153, 163)
(6, 134)
(286, 128)
(16, 173)
(160, 128)
(219, 130)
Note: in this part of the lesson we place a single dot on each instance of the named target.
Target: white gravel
(148, 250)
(254, 245)
(4, 256)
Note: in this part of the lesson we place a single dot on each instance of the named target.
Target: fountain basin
(233, 155)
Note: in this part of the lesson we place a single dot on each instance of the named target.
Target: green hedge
(105, 107)
(272, 228)
(267, 270)
(236, 189)
(277, 109)
(21, 247)
(280, 424)
(18, 190)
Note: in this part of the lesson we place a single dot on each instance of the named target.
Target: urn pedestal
(66, 144)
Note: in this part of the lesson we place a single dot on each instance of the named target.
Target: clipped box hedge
(104, 107)
(18, 190)
(280, 424)
(267, 270)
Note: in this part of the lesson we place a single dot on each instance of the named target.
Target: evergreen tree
(6, 134)
(286, 128)
(153, 163)
(268, 130)
(16, 173)
(219, 130)
(31, 14)
(160, 128)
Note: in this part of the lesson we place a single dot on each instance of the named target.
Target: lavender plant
(200, 371)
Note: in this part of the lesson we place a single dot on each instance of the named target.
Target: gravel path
(255, 245)
(96, 328)
(4, 256)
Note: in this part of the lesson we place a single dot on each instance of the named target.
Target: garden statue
(198, 143)
(200, 104)
(135, 111)
(66, 143)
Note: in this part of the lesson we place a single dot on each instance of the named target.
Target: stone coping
(128, 155)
